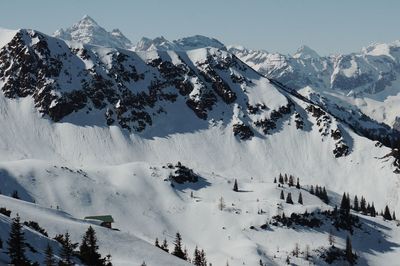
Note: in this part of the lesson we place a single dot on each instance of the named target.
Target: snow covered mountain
(183, 44)
(88, 31)
(367, 81)
(157, 138)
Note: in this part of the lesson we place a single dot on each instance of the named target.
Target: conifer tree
(67, 251)
(203, 258)
(291, 181)
(88, 250)
(312, 190)
(394, 216)
(289, 198)
(300, 200)
(274, 180)
(325, 196)
(282, 197)
(235, 186)
(49, 256)
(281, 179)
(345, 203)
(372, 211)
(349, 251)
(15, 194)
(363, 208)
(164, 246)
(387, 214)
(178, 252)
(196, 257)
(286, 179)
(156, 243)
(16, 244)
(317, 191)
(298, 183)
(355, 203)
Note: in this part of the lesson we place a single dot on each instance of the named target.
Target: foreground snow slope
(125, 248)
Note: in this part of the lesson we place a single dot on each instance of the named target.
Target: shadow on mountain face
(9, 185)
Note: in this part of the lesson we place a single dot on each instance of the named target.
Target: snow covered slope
(88, 31)
(183, 44)
(92, 129)
(366, 80)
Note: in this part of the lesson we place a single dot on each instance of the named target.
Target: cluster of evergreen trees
(289, 199)
(364, 207)
(289, 180)
(199, 256)
(88, 250)
(320, 192)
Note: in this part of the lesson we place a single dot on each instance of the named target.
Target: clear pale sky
(277, 26)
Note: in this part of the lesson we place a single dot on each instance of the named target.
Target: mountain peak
(87, 19)
(87, 30)
(198, 41)
(305, 52)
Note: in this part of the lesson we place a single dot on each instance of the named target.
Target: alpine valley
(255, 158)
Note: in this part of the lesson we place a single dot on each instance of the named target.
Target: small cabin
(105, 220)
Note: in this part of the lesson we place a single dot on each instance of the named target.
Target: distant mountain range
(365, 82)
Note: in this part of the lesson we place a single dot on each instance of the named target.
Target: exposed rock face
(129, 89)
(182, 174)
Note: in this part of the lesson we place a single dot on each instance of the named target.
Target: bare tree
(221, 204)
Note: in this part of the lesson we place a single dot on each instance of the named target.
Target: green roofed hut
(105, 220)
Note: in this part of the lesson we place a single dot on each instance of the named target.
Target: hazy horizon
(284, 26)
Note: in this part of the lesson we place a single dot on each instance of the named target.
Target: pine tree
(355, 203)
(300, 200)
(275, 180)
(49, 256)
(282, 197)
(178, 252)
(203, 258)
(325, 196)
(281, 179)
(289, 198)
(67, 251)
(88, 250)
(362, 205)
(387, 214)
(16, 244)
(344, 203)
(15, 194)
(285, 179)
(298, 183)
(164, 246)
(235, 186)
(372, 211)
(312, 190)
(317, 191)
(156, 243)
(196, 257)
(349, 251)
(291, 181)
(394, 216)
